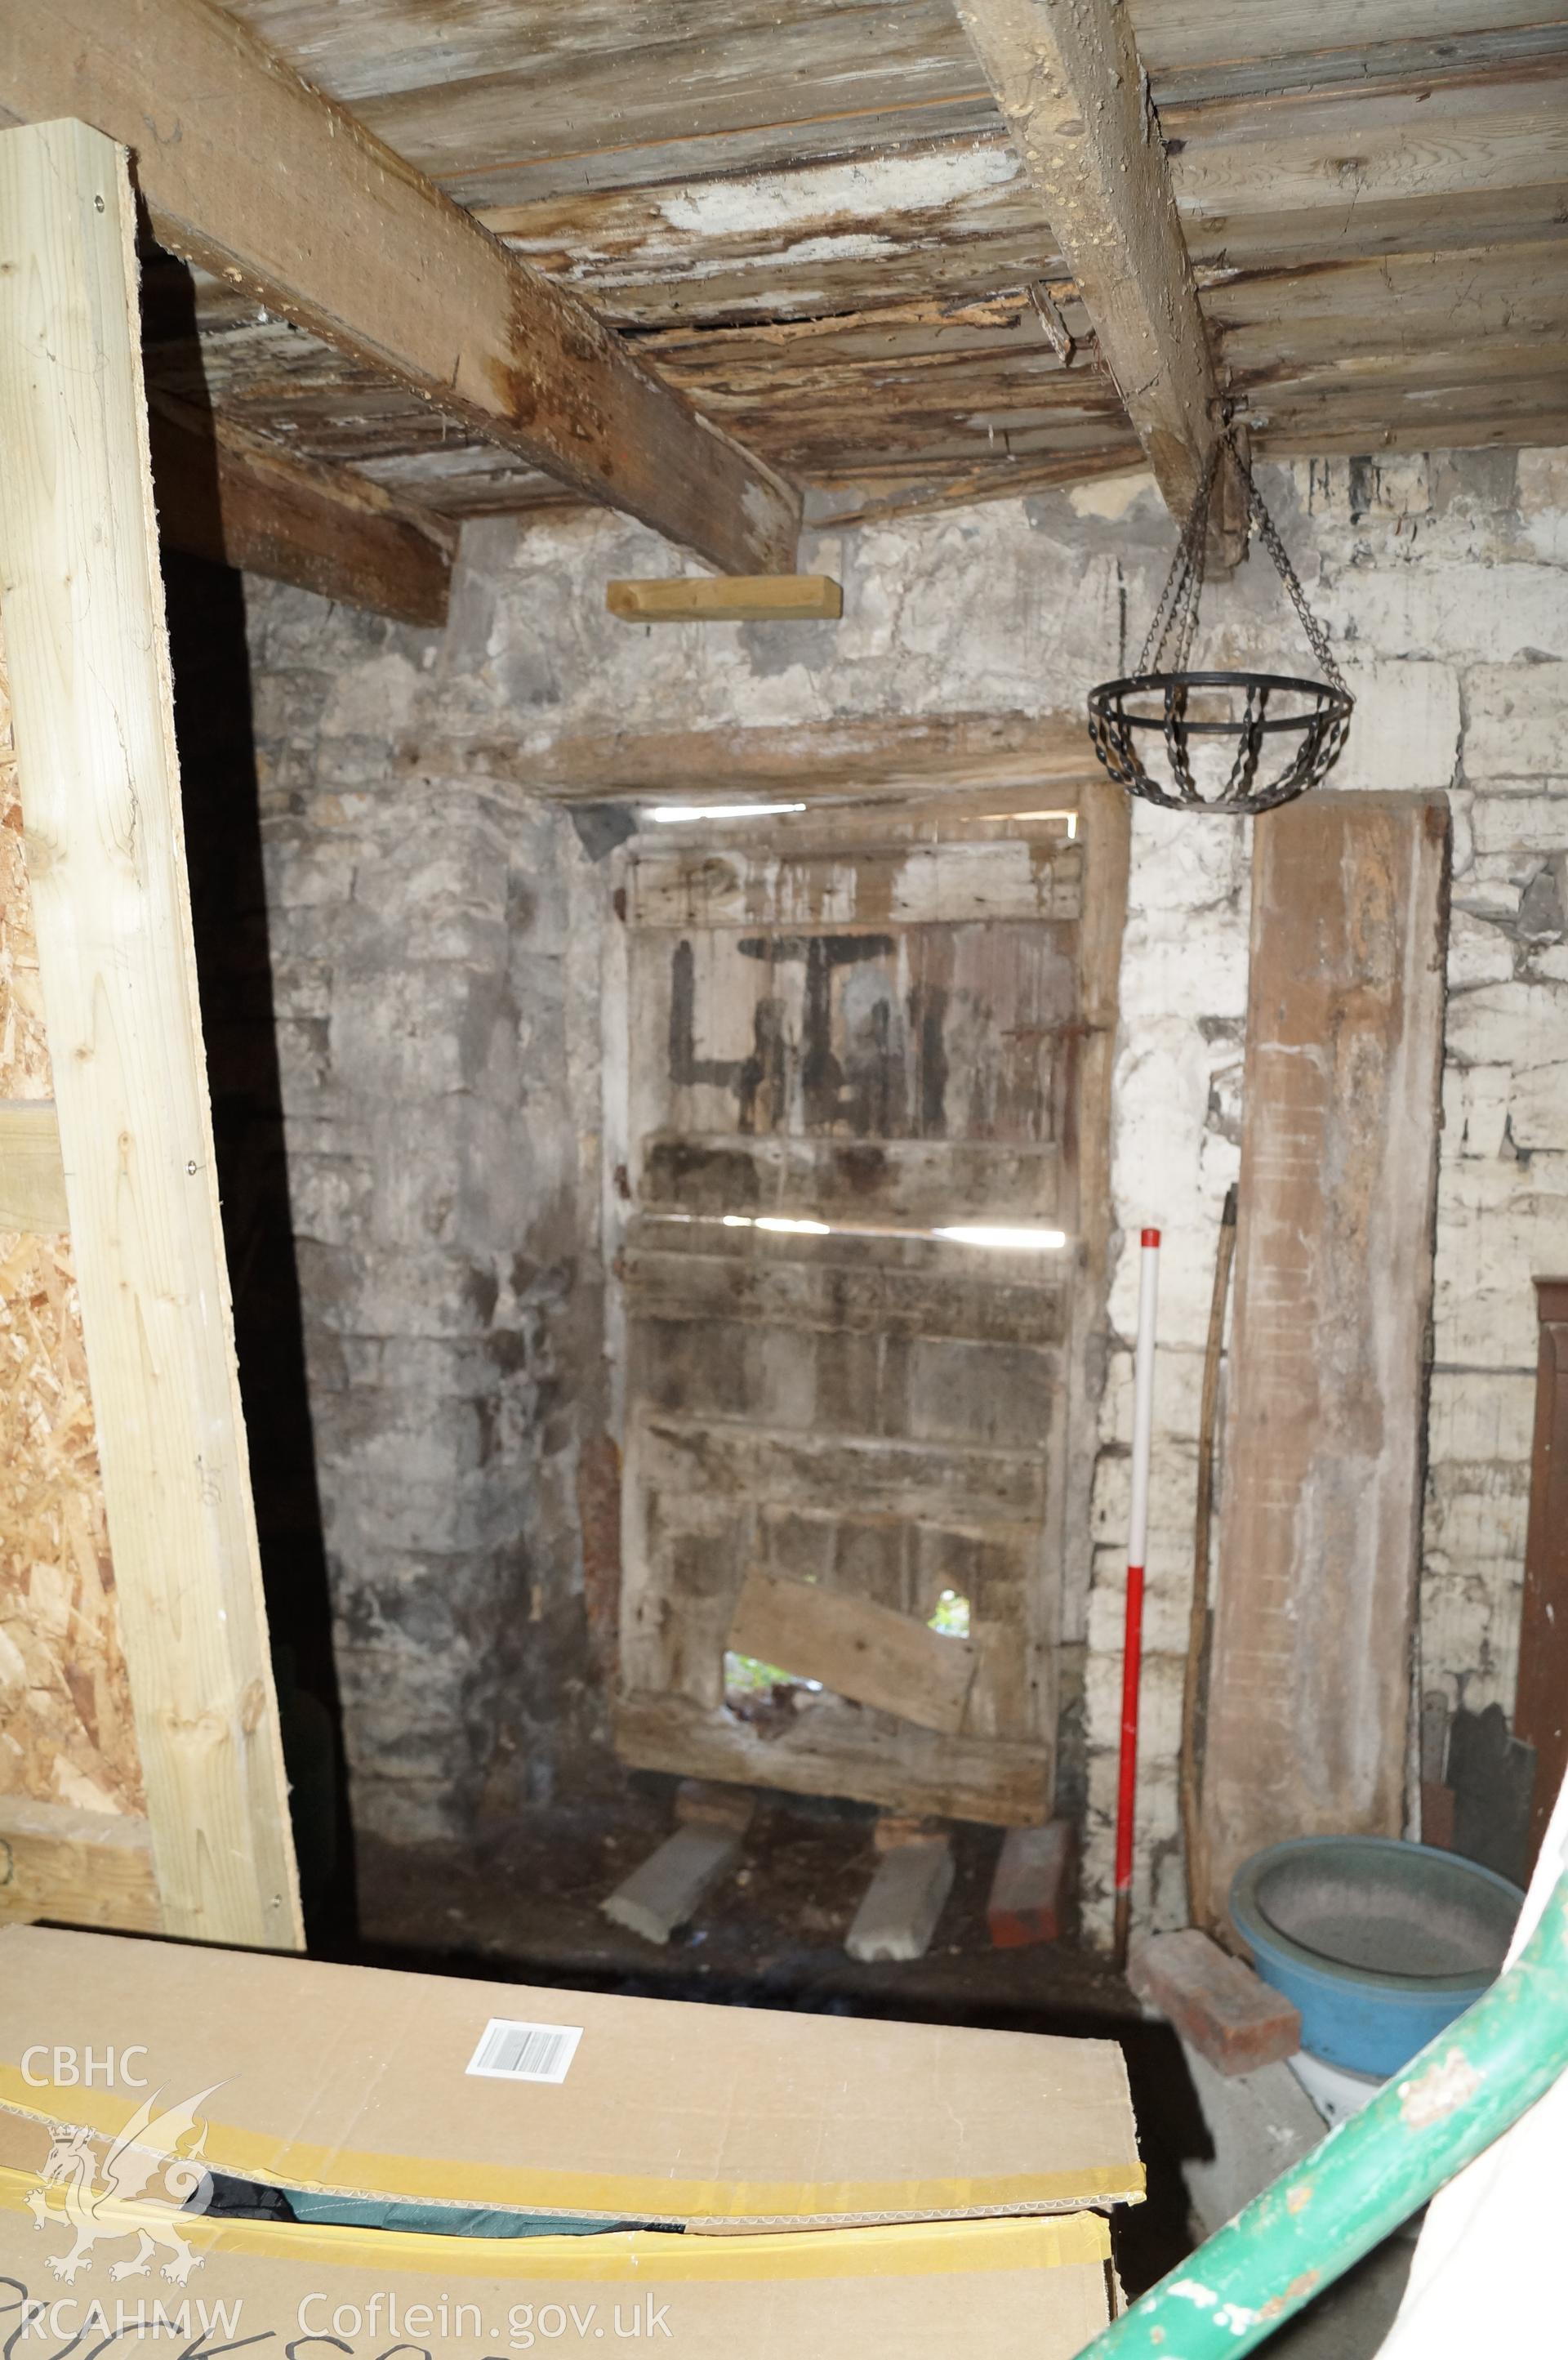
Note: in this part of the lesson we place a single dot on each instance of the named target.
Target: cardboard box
(880, 2186)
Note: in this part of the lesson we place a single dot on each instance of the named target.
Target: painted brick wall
(1444, 582)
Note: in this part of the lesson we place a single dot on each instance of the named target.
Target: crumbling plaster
(428, 1017)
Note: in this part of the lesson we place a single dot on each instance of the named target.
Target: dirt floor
(525, 1906)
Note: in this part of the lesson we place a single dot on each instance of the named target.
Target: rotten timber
(356, 248)
(1319, 1525)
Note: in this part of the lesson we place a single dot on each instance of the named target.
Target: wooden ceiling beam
(249, 172)
(1075, 98)
(237, 499)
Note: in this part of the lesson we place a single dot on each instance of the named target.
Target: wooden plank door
(884, 1041)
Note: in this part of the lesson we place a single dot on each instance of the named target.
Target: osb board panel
(1321, 1516)
(66, 1731)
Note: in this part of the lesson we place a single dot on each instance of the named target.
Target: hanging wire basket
(1164, 732)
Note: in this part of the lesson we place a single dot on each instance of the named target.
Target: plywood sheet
(66, 1732)
(1320, 1514)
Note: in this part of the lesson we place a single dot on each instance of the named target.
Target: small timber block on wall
(728, 598)
(1320, 1521)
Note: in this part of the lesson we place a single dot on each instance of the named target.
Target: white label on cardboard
(510, 2051)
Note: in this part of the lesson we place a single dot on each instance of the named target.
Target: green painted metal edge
(1464, 2090)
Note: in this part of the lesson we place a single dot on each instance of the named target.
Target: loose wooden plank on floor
(1321, 1514)
(88, 663)
(869, 1653)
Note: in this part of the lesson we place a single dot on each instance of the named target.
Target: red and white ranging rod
(1138, 1540)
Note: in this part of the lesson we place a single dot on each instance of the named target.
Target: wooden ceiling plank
(356, 248)
(1228, 246)
(1415, 59)
(1176, 34)
(951, 215)
(1310, 150)
(999, 483)
(1072, 93)
(1540, 430)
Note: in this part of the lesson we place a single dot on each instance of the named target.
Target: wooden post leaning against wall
(1320, 1521)
(87, 653)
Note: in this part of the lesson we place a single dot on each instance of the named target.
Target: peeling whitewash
(1444, 584)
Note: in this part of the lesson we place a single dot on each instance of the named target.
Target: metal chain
(1317, 638)
(1179, 600)
(1177, 612)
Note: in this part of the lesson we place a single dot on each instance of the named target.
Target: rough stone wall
(1442, 579)
(435, 977)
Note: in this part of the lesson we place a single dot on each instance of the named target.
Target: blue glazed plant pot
(1378, 1943)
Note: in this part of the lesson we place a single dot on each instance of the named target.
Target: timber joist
(575, 254)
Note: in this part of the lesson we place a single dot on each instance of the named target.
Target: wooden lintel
(76, 1868)
(32, 1178)
(354, 245)
(733, 598)
(1074, 95)
(879, 755)
(231, 496)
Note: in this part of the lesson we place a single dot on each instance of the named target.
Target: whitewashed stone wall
(1444, 582)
